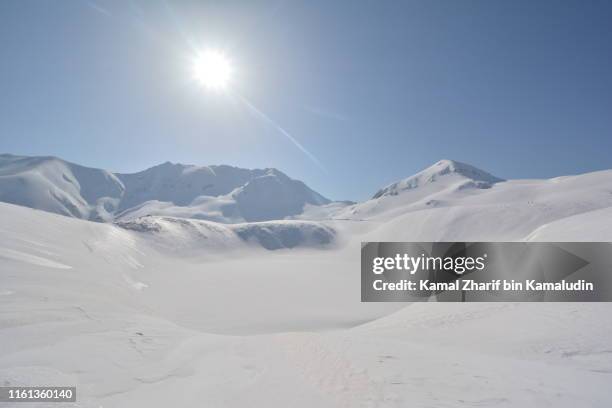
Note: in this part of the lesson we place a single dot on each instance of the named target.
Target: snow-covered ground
(160, 311)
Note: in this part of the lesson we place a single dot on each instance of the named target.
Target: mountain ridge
(56, 185)
(441, 168)
(232, 195)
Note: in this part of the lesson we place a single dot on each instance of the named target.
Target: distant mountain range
(446, 201)
(217, 193)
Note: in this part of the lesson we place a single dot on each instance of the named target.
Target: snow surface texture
(175, 233)
(159, 311)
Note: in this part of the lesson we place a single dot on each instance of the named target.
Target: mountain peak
(443, 169)
(446, 166)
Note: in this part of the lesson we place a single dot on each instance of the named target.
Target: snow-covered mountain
(454, 201)
(219, 193)
(156, 306)
(54, 185)
(441, 175)
(446, 179)
(446, 201)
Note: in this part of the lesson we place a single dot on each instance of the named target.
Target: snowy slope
(159, 306)
(263, 195)
(180, 234)
(217, 193)
(214, 277)
(148, 325)
(51, 184)
(444, 178)
(595, 225)
(454, 173)
(446, 202)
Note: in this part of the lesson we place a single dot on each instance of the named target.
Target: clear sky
(373, 90)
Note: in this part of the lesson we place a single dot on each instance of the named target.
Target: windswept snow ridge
(204, 235)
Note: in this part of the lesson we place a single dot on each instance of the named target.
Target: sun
(212, 69)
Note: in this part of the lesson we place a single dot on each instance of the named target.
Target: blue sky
(374, 90)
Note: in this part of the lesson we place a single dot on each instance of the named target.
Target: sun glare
(212, 69)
